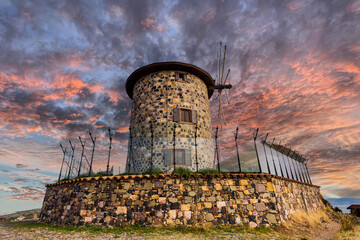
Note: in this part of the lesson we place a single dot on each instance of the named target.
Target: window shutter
(185, 78)
(194, 116)
(167, 157)
(176, 114)
(188, 157)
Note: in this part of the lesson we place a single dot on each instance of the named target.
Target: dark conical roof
(176, 66)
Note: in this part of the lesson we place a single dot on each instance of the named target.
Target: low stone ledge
(229, 199)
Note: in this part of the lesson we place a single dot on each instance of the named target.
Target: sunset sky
(295, 71)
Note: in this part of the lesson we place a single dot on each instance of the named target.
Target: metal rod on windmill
(72, 158)
(82, 154)
(237, 149)
(62, 163)
(108, 161)
(92, 153)
(130, 152)
(221, 81)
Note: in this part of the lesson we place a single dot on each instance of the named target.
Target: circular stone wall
(157, 98)
(233, 199)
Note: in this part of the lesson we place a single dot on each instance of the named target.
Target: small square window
(181, 76)
(185, 115)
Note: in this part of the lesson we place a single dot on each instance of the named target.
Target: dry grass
(310, 219)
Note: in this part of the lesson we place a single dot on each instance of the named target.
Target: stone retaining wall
(232, 199)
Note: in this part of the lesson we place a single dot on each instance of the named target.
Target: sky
(295, 71)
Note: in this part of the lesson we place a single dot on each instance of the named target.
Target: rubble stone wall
(155, 97)
(232, 199)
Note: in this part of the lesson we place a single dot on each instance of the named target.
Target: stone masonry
(231, 199)
(156, 96)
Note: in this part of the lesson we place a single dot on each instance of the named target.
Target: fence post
(237, 149)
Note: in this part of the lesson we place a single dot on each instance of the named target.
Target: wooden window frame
(178, 76)
(190, 115)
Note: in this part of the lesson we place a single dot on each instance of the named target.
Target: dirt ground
(325, 231)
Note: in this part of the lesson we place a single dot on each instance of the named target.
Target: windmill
(221, 81)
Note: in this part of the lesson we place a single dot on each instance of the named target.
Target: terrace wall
(231, 199)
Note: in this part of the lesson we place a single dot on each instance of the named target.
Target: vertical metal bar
(302, 168)
(257, 155)
(217, 149)
(62, 163)
(237, 149)
(276, 173)
(300, 171)
(287, 165)
(307, 170)
(152, 147)
(82, 155)
(298, 176)
(293, 168)
(307, 177)
(174, 146)
(72, 157)
(286, 170)
(108, 161)
(92, 154)
(267, 162)
(131, 151)
(196, 153)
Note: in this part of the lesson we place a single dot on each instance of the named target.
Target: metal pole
(62, 163)
(292, 168)
(92, 154)
(257, 155)
(267, 162)
(72, 157)
(152, 147)
(237, 149)
(217, 149)
(174, 146)
(130, 151)
(287, 172)
(196, 155)
(108, 162)
(82, 154)
(307, 170)
(303, 169)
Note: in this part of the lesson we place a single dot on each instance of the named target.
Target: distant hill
(28, 214)
(343, 203)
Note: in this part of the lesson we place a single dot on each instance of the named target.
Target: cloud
(294, 69)
(19, 165)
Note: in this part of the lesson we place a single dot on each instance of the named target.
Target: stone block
(148, 186)
(192, 194)
(205, 188)
(270, 186)
(188, 199)
(209, 217)
(271, 218)
(172, 214)
(187, 215)
(88, 219)
(218, 187)
(250, 207)
(173, 200)
(246, 192)
(244, 182)
(159, 184)
(121, 210)
(207, 205)
(260, 188)
(162, 200)
(253, 200)
(211, 199)
(83, 212)
(260, 207)
(185, 207)
(220, 204)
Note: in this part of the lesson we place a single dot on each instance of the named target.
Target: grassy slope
(311, 226)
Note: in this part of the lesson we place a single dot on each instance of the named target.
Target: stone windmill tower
(170, 118)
